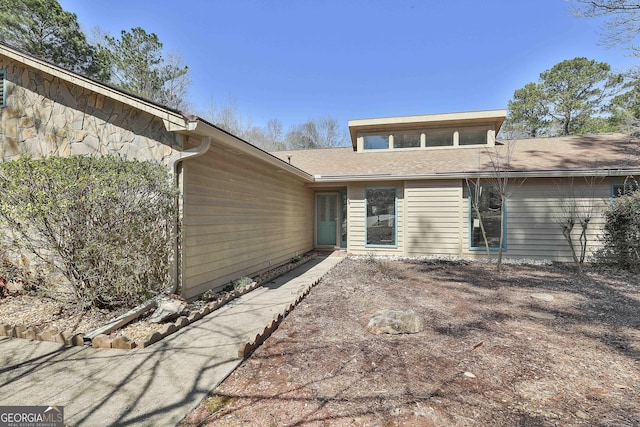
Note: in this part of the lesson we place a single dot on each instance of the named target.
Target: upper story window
(3, 88)
(376, 142)
(473, 136)
(406, 140)
(439, 138)
(428, 131)
(428, 138)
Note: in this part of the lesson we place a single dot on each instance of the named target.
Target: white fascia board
(458, 175)
(238, 146)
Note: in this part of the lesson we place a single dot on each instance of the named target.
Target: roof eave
(487, 175)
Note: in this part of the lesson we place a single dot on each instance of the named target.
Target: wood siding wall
(533, 211)
(433, 217)
(241, 217)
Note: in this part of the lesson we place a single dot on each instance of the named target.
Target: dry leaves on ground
(490, 354)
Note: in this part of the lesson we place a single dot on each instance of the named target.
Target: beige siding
(356, 220)
(533, 211)
(240, 217)
(433, 217)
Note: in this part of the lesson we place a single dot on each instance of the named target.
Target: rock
(49, 334)
(123, 343)
(101, 341)
(5, 330)
(582, 415)
(542, 297)
(395, 322)
(31, 333)
(540, 315)
(168, 308)
(193, 316)
(181, 322)
(151, 338)
(469, 375)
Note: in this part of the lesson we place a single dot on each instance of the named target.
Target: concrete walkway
(154, 386)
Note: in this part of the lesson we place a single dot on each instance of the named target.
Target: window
(376, 142)
(381, 216)
(406, 140)
(487, 199)
(472, 136)
(439, 138)
(625, 189)
(3, 87)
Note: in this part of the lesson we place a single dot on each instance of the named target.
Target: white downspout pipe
(173, 164)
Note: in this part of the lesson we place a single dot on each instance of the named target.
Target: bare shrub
(104, 223)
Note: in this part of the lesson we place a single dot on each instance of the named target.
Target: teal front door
(326, 219)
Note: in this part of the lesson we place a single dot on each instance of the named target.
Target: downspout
(173, 161)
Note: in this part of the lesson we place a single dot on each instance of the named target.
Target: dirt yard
(495, 350)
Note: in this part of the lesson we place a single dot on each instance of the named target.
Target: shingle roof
(610, 154)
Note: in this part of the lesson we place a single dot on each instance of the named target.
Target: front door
(326, 219)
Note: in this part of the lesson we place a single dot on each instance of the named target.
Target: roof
(386, 124)
(611, 154)
(174, 121)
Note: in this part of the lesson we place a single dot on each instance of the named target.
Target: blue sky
(352, 59)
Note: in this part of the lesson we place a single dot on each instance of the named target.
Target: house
(242, 210)
(403, 188)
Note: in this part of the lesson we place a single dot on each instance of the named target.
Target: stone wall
(45, 115)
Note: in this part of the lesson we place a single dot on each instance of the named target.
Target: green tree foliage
(43, 29)
(528, 112)
(139, 67)
(571, 98)
(622, 232)
(106, 224)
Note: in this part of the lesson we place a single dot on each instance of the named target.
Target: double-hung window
(381, 221)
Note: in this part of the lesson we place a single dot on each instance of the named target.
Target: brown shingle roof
(540, 156)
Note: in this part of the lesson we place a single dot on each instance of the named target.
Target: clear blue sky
(300, 59)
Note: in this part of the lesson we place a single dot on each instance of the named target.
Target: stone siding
(45, 115)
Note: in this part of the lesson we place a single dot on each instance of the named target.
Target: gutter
(456, 175)
(173, 161)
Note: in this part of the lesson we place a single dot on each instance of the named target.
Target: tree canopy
(139, 67)
(44, 29)
(572, 97)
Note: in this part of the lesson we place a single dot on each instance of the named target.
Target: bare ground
(490, 354)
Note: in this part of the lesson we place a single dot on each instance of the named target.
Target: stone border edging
(245, 349)
(123, 343)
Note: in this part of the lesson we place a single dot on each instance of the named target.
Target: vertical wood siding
(240, 217)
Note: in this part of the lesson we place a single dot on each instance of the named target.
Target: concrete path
(155, 386)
